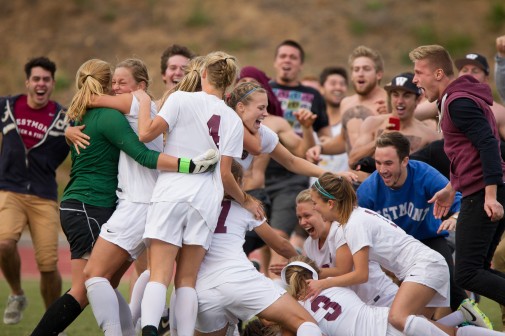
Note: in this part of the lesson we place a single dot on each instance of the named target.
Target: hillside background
(72, 31)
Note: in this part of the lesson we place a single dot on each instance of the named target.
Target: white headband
(301, 264)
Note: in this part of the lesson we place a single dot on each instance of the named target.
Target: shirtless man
(404, 96)
(367, 68)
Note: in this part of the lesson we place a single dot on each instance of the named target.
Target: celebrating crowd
(393, 195)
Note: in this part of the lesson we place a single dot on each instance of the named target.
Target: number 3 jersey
(339, 311)
(197, 122)
(225, 260)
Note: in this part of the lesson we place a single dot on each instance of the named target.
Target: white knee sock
(453, 319)
(308, 329)
(125, 316)
(476, 331)
(153, 304)
(104, 304)
(173, 324)
(137, 294)
(417, 325)
(186, 309)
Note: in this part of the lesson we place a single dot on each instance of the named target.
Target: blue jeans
(476, 240)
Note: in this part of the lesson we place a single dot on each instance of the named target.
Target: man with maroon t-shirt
(32, 147)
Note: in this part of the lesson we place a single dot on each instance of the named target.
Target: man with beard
(367, 68)
(32, 147)
(283, 186)
(404, 96)
(401, 189)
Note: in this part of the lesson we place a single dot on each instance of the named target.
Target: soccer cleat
(14, 310)
(164, 326)
(206, 162)
(474, 315)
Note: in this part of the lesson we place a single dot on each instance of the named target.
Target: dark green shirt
(93, 178)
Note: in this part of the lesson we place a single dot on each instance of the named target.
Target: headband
(301, 264)
(248, 93)
(321, 190)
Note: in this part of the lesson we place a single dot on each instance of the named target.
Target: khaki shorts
(42, 217)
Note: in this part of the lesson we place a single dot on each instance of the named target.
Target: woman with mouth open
(278, 141)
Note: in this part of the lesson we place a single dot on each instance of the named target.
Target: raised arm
(279, 244)
(149, 129)
(295, 164)
(365, 143)
(500, 66)
(121, 102)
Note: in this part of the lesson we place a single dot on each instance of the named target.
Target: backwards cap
(475, 59)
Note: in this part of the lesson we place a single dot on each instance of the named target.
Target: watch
(455, 216)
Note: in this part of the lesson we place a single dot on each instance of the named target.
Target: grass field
(86, 325)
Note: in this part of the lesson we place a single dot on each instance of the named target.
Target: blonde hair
(138, 70)
(297, 276)
(341, 192)
(222, 69)
(242, 93)
(374, 55)
(436, 55)
(303, 196)
(94, 77)
(191, 82)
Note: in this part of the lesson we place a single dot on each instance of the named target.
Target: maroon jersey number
(322, 302)
(213, 125)
(221, 222)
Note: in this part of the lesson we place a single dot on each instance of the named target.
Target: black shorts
(82, 223)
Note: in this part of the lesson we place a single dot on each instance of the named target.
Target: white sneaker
(14, 310)
(206, 162)
(474, 315)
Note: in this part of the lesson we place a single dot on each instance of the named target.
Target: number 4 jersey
(197, 122)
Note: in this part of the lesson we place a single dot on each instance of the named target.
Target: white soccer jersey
(379, 290)
(225, 260)
(269, 141)
(339, 311)
(135, 182)
(321, 256)
(388, 244)
(197, 122)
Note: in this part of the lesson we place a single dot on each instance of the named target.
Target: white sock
(173, 324)
(103, 301)
(137, 294)
(125, 316)
(453, 319)
(153, 304)
(417, 325)
(476, 331)
(186, 309)
(308, 329)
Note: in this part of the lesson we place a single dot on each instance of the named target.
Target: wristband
(184, 164)
(455, 216)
